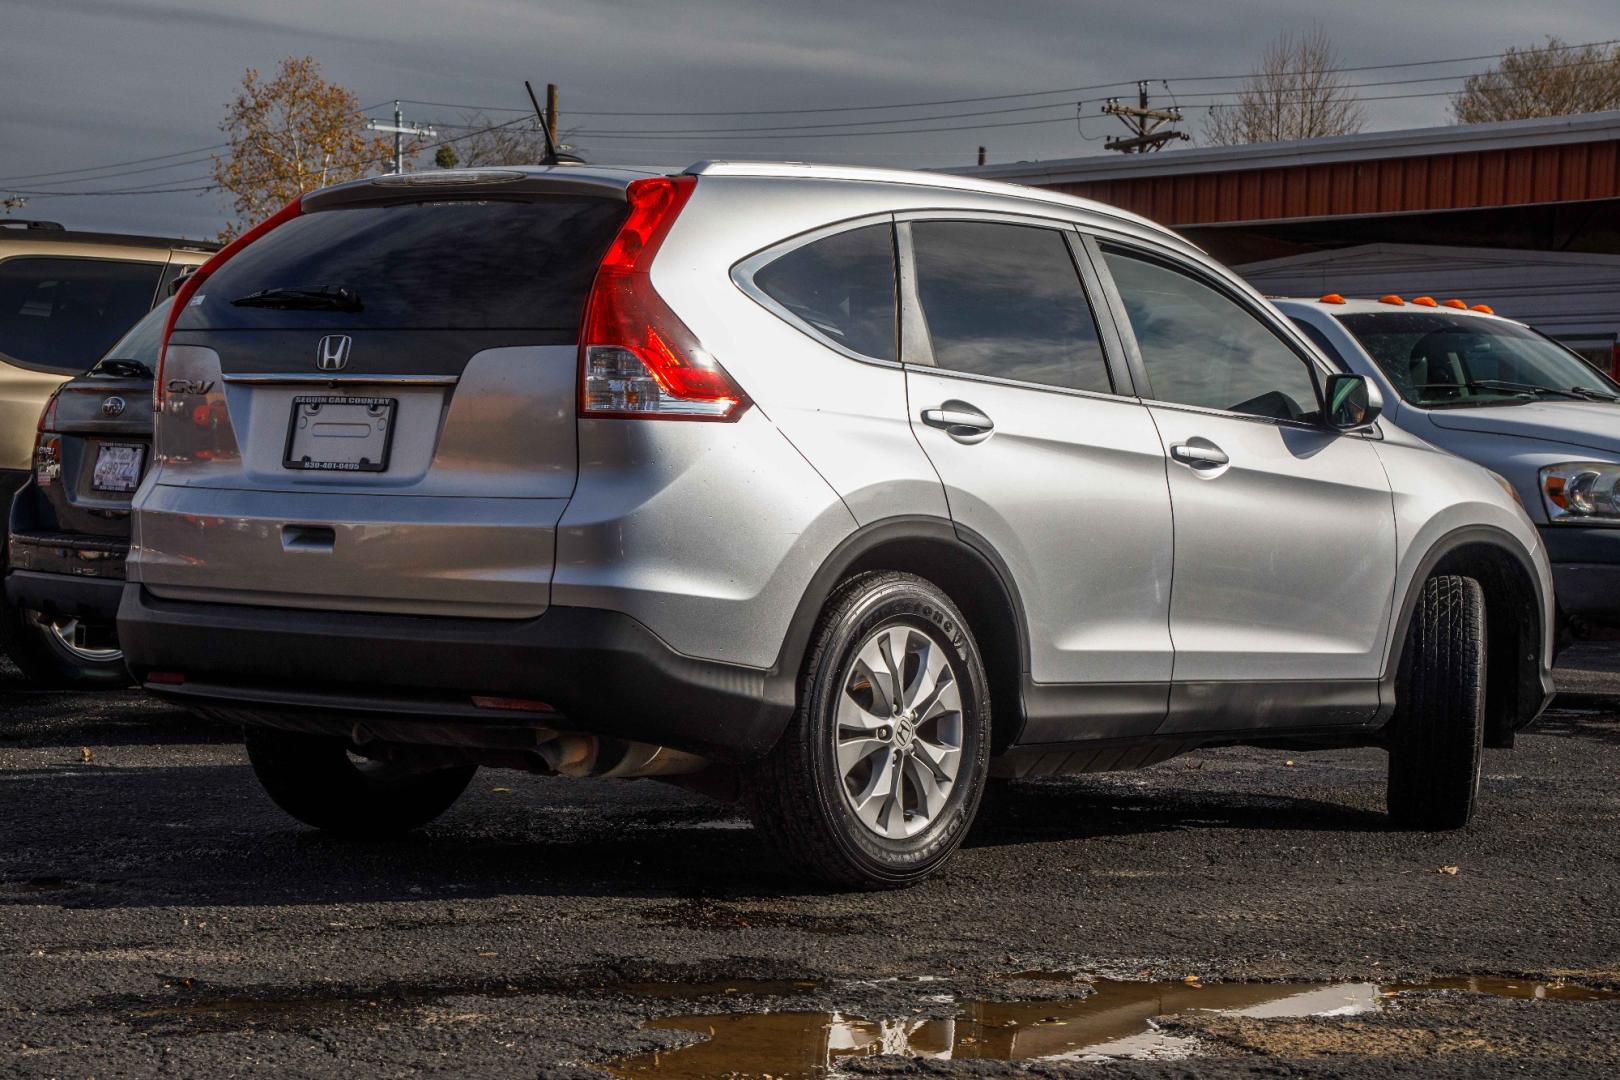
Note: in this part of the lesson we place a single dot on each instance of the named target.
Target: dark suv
(69, 522)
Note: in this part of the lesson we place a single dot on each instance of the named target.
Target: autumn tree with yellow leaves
(292, 133)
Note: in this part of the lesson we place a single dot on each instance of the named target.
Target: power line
(891, 126)
(358, 163)
(616, 132)
(1124, 83)
(145, 160)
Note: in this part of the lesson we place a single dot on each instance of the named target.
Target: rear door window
(469, 264)
(1007, 301)
(841, 287)
(60, 314)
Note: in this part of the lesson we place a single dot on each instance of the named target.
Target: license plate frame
(99, 470)
(371, 410)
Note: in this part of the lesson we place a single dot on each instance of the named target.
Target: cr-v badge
(332, 354)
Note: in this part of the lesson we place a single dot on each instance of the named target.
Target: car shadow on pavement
(1021, 812)
(46, 718)
(92, 835)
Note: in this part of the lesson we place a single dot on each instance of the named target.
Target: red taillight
(637, 359)
(48, 445)
(190, 284)
(47, 415)
(511, 704)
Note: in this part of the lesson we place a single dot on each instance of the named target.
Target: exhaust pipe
(589, 756)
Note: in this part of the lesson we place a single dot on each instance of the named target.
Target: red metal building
(1438, 210)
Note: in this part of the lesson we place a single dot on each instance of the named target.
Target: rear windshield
(141, 344)
(452, 264)
(60, 314)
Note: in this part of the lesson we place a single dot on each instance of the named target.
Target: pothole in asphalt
(1116, 1020)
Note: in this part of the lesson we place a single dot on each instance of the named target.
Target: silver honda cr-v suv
(836, 490)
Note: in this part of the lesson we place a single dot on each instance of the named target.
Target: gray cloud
(93, 81)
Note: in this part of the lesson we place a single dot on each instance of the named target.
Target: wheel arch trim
(1528, 677)
(941, 535)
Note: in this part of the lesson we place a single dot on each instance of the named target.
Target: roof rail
(48, 226)
(807, 170)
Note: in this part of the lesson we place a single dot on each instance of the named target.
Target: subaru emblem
(113, 407)
(332, 354)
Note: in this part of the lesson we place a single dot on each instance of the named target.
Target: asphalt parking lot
(159, 915)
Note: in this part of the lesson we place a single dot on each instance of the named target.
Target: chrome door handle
(1190, 454)
(959, 420)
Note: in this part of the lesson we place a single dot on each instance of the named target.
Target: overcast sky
(90, 82)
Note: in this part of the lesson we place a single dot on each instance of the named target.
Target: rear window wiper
(303, 298)
(122, 367)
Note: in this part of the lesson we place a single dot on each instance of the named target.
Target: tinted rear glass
(1006, 300)
(61, 314)
(843, 286)
(141, 344)
(466, 265)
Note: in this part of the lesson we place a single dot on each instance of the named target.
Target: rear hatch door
(373, 406)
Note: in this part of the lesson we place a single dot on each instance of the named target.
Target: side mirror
(1351, 402)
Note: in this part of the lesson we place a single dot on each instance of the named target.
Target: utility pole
(551, 111)
(401, 129)
(1148, 132)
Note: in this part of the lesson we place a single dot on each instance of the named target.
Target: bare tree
(1542, 80)
(1296, 92)
(492, 142)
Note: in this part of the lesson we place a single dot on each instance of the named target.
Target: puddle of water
(1115, 1021)
(308, 1012)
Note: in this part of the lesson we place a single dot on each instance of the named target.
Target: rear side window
(1201, 347)
(1006, 300)
(61, 314)
(453, 264)
(842, 287)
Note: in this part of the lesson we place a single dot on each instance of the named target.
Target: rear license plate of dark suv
(333, 433)
(118, 468)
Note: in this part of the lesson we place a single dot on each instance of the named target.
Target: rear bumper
(603, 672)
(65, 594)
(1586, 571)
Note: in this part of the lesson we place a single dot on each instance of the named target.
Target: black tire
(1436, 737)
(47, 661)
(797, 795)
(314, 779)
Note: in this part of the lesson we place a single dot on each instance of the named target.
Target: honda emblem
(332, 354)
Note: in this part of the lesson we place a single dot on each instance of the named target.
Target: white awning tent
(1572, 296)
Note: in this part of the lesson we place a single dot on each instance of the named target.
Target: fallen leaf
(1189, 980)
(1452, 870)
(1289, 763)
(86, 754)
(502, 790)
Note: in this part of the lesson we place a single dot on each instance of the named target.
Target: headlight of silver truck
(1582, 491)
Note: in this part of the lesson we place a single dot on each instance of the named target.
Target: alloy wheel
(79, 640)
(899, 731)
